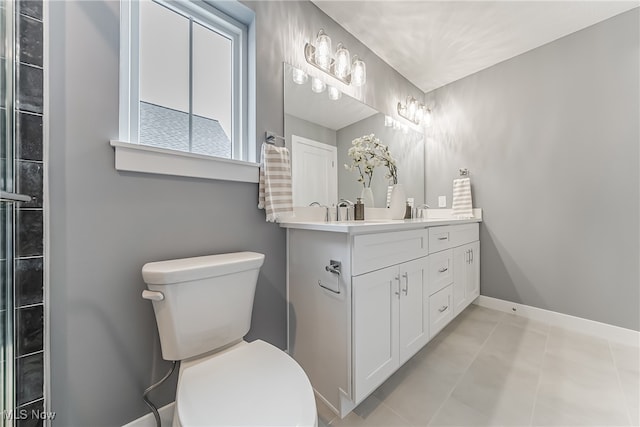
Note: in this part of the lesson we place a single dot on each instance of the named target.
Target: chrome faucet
(420, 208)
(344, 203)
(326, 210)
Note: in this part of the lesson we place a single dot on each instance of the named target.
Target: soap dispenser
(358, 210)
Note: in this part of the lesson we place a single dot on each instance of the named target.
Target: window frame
(215, 16)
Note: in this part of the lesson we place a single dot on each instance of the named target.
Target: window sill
(146, 159)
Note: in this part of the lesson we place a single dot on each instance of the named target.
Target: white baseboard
(166, 418)
(578, 324)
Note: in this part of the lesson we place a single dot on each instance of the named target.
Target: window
(187, 79)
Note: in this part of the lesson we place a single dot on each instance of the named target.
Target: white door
(313, 172)
(375, 329)
(414, 319)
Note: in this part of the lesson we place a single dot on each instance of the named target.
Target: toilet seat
(254, 384)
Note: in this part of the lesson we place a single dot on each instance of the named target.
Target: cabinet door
(414, 319)
(376, 298)
(473, 273)
(461, 257)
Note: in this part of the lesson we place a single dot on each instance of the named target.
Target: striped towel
(274, 192)
(461, 205)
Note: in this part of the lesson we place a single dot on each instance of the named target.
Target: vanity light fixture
(299, 77)
(334, 93)
(388, 121)
(317, 85)
(414, 111)
(342, 67)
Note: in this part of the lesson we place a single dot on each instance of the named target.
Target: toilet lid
(254, 385)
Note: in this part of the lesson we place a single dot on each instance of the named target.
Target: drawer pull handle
(406, 283)
(443, 269)
(443, 238)
(443, 308)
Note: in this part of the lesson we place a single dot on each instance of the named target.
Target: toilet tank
(207, 301)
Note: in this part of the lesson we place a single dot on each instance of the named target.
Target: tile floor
(492, 368)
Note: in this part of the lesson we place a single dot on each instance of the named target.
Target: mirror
(319, 131)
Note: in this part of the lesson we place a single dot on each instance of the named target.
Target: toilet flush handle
(153, 295)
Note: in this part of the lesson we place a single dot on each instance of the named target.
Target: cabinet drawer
(375, 251)
(450, 236)
(440, 310)
(440, 270)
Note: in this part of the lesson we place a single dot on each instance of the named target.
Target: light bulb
(412, 106)
(317, 85)
(358, 72)
(342, 66)
(323, 50)
(299, 76)
(334, 93)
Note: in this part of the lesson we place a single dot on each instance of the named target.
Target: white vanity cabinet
(399, 283)
(390, 322)
(454, 252)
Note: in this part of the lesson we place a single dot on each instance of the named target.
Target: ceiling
(433, 43)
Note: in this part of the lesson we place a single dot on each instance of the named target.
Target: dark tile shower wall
(29, 173)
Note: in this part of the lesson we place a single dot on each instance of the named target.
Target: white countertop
(436, 218)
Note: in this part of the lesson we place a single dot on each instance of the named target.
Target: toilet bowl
(203, 310)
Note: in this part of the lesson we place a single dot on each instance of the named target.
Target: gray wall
(551, 139)
(296, 126)
(105, 224)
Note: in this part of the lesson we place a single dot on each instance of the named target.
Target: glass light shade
(317, 85)
(334, 93)
(419, 114)
(358, 72)
(427, 117)
(342, 66)
(412, 106)
(388, 121)
(323, 50)
(299, 76)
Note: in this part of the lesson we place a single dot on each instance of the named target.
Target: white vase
(367, 197)
(398, 202)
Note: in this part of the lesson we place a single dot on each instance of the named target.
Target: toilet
(203, 310)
